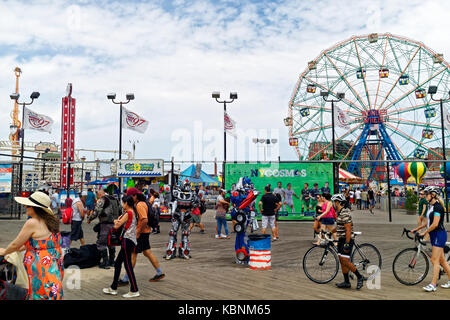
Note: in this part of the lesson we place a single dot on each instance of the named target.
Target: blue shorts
(90, 206)
(438, 238)
(327, 221)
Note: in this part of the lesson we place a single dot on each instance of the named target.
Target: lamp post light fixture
(112, 97)
(233, 96)
(432, 90)
(15, 96)
(340, 96)
(266, 143)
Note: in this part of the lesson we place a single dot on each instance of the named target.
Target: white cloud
(172, 61)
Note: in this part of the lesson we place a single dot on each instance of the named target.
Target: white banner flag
(446, 118)
(132, 121)
(36, 121)
(230, 125)
(340, 118)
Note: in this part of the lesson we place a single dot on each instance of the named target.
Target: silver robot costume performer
(184, 201)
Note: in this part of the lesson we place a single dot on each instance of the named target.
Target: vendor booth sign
(5, 178)
(140, 168)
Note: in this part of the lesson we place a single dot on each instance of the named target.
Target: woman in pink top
(328, 216)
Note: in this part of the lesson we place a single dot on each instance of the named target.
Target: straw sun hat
(37, 199)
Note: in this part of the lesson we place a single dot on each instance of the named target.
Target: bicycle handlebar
(417, 237)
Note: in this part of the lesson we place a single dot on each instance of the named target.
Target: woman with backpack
(128, 243)
(144, 213)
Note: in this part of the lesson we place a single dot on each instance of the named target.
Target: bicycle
(411, 265)
(321, 263)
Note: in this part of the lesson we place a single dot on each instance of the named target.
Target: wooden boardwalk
(212, 273)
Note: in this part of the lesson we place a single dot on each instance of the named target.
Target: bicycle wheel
(320, 265)
(410, 268)
(364, 257)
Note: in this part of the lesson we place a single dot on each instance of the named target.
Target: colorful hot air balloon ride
(402, 171)
(417, 170)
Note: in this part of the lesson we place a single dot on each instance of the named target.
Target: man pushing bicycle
(344, 230)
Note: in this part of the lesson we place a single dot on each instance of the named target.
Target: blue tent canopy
(396, 182)
(205, 179)
(95, 182)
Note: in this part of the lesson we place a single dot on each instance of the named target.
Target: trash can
(260, 251)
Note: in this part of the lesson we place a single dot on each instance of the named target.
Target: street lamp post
(340, 96)
(233, 96)
(15, 96)
(433, 90)
(129, 97)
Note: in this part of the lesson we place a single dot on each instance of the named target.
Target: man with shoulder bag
(106, 210)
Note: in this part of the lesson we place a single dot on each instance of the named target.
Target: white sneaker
(217, 236)
(223, 236)
(446, 285)
(429, 288)
(110, 291)
(131, 294)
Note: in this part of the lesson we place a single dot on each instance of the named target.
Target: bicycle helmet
(432, 189)
(338, 197)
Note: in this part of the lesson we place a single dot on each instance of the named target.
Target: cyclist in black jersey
(438, 236)
(344, 230)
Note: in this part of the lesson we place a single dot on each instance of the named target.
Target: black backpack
(152, 222)
(202, 207)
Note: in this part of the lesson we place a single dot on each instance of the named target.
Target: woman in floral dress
(40, 238)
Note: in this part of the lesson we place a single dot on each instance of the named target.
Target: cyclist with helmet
(344, 230)
(438, 236)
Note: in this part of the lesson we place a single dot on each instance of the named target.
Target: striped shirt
(344, 217)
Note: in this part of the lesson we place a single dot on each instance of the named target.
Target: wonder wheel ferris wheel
(385, 110)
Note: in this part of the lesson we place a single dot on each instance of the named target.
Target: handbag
(115, 236)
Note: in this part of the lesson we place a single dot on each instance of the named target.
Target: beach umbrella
(417, 170)
(403, 171)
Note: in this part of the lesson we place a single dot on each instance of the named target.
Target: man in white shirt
(358, 198)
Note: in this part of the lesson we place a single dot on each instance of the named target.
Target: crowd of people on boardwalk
(40, 236)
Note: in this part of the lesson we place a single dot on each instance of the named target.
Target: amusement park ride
(387, 108)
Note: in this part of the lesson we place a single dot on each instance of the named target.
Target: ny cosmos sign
(278, 173)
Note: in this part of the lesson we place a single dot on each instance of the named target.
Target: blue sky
(173, 54)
